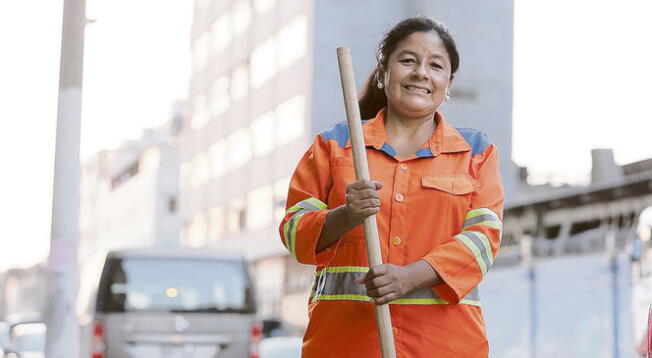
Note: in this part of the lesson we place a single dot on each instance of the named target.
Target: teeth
(414, 89)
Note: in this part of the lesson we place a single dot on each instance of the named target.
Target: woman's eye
(435, 65)
(407, 60)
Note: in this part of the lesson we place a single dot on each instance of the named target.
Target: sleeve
(464, 259)
(306, 207)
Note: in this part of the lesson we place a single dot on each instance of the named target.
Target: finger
(363, 279)
(369, 203)
(379, 269)
(379, 185)
(362, 184)
(377, 282)
(385, 298)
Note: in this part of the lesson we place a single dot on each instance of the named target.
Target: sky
(581, 81)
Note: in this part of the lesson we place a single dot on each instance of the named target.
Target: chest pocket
(456, 184)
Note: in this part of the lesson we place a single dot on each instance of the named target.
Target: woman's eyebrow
(410, 52)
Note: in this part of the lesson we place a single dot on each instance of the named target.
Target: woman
(438, 198)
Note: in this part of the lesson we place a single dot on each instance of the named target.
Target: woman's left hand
(387, 282)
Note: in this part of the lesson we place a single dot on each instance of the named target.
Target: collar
(445, 138)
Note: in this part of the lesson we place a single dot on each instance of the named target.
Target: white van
(169, 303)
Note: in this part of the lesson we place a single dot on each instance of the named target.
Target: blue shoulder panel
(476, 139)
(339, 132)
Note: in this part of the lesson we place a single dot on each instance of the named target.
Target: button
(403, 166)
(396, 240)
(395, 331)
(399, 197)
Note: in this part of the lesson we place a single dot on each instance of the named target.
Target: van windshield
(174, 285)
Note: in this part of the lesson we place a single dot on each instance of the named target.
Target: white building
(129, 195)
(265, 81)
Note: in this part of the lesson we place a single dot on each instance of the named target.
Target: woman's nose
(420, 71)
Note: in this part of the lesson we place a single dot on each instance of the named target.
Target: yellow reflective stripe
(342, 298)
(293, 234)
(293, 209)
(487, 245)
(318, 203)
(481, 211)
(312, 201)
(490, 223)
(470, 302)
(476, 252)
(340, 269)
(400, 301)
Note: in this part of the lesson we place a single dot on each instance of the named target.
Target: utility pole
(62, 328)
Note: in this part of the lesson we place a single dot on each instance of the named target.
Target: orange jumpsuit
(443, 204)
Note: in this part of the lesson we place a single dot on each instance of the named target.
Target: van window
(174, 285)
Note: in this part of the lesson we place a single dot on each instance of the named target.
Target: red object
(99, 346)
(256, 337)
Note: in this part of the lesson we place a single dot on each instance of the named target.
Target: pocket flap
(457, 184)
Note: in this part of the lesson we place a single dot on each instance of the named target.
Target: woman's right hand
(362, 200)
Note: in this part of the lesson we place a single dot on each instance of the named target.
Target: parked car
(281, 347)
(25, 336)
(158, 302)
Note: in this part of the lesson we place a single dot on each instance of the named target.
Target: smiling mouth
(417, 89)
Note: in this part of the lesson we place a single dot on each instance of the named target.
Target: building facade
(265, 81)
(129, 196)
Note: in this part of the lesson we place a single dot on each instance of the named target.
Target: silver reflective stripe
(341, 285)
(480, 218)
(306, 205)
(475, 237)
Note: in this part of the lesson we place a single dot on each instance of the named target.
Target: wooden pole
(383, 317)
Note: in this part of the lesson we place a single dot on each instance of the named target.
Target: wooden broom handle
(383, 317)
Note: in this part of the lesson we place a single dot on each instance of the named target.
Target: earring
(379, 84)
(448, 96)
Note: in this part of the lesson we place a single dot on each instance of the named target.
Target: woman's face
(418, 75)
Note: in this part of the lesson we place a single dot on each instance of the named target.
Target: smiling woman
(437, 197)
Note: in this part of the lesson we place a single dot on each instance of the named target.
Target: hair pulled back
(372, 99)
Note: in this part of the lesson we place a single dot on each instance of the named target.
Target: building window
(197, 231)
(260, 207)
(290, 119)
(172, 204)
(263, 63)
(239, 148)
(241, 17)
(125, 175)
(220, 96)
(240, 81)
(261, 6)
(215, 223)
(217, 153)
(200, 170)
(292, 40)
(262, 131)
(200, 51)
(235, 216)
(281, 188)
(200, 112)
(221, 33)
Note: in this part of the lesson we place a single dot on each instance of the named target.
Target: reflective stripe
(339, 283)
(310, 204)
(297, 211)
(478, 244)
(484, 217)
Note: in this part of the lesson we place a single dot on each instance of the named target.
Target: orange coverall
(443, 204)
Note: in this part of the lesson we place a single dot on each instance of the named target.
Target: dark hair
(372, 99)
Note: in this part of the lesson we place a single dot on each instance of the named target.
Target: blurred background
(195, 113)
